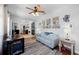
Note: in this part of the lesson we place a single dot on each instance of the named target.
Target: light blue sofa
(48, 38)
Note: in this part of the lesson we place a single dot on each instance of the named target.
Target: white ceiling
(20, 10)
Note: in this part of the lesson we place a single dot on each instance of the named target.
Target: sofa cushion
(43, 34)
(53, 36)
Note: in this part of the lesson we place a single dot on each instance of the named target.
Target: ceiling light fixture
(35, 14)
(36, 10)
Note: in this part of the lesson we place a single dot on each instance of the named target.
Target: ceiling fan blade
(39, 8)
(31, 12)
(29, 8)
(42, 12)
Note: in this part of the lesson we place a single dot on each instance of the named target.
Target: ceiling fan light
(33, 14)
(37, 14)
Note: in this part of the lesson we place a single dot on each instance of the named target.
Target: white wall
(1, 26)
(73, 11)
(6, 21)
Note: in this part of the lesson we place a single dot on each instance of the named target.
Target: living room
(59, 19)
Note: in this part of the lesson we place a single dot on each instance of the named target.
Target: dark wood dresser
(13, 47)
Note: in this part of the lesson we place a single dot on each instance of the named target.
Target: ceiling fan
(36, 10)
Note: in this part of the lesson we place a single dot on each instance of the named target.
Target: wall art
(55, 22)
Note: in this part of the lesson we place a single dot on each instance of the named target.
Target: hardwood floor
(37, 48)
(28, 40)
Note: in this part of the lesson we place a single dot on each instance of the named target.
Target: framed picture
(48, 23)
(43, 24)
(55, 22)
